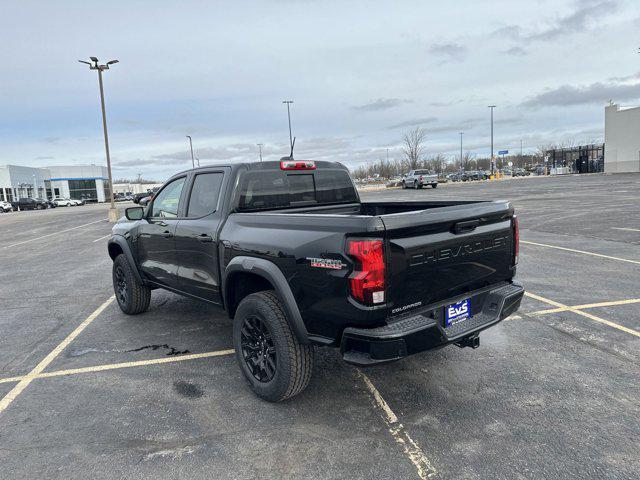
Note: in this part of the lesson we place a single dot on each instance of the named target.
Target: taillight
(297, 165)
(516, 240)
(367, 280)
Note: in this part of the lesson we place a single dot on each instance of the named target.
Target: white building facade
(622, 139)
(134, 188)
(81, 182)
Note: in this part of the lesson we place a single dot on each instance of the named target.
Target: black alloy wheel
(121, 286)
(258, 349)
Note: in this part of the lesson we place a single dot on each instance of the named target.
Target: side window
(165, 204)
(204, 194)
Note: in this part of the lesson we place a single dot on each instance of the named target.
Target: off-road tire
(294, 361)
(136, 298)
(434, 185)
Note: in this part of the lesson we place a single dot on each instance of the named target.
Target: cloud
(380, 104)
(445, 104)
(596, 93)
(414, 122)
(509, 121)
(450, 51)
(585, 14)
(515, 51)
(626, 78)
(455, 127)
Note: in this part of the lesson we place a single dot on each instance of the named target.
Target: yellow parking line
(140, 363)
(636, 262)
(28, 378)
(399, 433)
(11, 379)
(587, 305)
(115, 366)
(584, 314)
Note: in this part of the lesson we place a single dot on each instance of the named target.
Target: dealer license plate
(457, 312)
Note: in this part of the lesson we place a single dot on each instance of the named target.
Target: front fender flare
(126, 249)
(274, 275)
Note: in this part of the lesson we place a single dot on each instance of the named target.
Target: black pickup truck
(297, 260)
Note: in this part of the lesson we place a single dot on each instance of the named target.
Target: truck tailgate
(441, 253)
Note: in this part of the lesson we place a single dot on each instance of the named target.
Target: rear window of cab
(273, 189)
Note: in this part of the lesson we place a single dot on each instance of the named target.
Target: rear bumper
(424, 329)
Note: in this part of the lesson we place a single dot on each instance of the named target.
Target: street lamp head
(94, 59)
(111, 62)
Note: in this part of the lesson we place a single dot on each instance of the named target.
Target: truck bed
(434, 250)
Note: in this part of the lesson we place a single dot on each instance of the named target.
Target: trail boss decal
(326, 263)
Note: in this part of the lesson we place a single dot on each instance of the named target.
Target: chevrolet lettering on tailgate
(437, 255)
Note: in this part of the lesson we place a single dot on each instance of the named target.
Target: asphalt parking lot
(553, 392)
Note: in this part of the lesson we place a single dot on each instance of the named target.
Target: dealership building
(80, 182)
(622, 139)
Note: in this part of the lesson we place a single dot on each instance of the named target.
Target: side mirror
(134, 213)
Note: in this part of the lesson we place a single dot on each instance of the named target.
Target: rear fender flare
(269, 271)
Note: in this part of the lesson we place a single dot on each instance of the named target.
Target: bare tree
(413, 146)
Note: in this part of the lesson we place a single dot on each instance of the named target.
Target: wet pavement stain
(172, 350)
(186, 389)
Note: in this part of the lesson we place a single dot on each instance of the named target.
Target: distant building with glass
(580, 159)
(80, 182)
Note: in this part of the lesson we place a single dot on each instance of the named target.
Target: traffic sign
(503, 152)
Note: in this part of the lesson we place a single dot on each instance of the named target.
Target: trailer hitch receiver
(472, 341)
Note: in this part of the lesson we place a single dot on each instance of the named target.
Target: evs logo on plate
(457, 312)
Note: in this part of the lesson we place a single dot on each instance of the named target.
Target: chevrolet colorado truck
(298, 261)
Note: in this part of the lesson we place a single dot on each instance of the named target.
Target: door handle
(204, 238)
(167, 234)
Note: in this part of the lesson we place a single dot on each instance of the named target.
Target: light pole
(95, 65)
(521, 159)
(260, 145)
(193, 163)
(461, 134)
(492, 161)
(289, 102)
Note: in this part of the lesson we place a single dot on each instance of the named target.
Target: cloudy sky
(360, 75)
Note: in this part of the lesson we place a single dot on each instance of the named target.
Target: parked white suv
(5, 207)
(65, 202)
